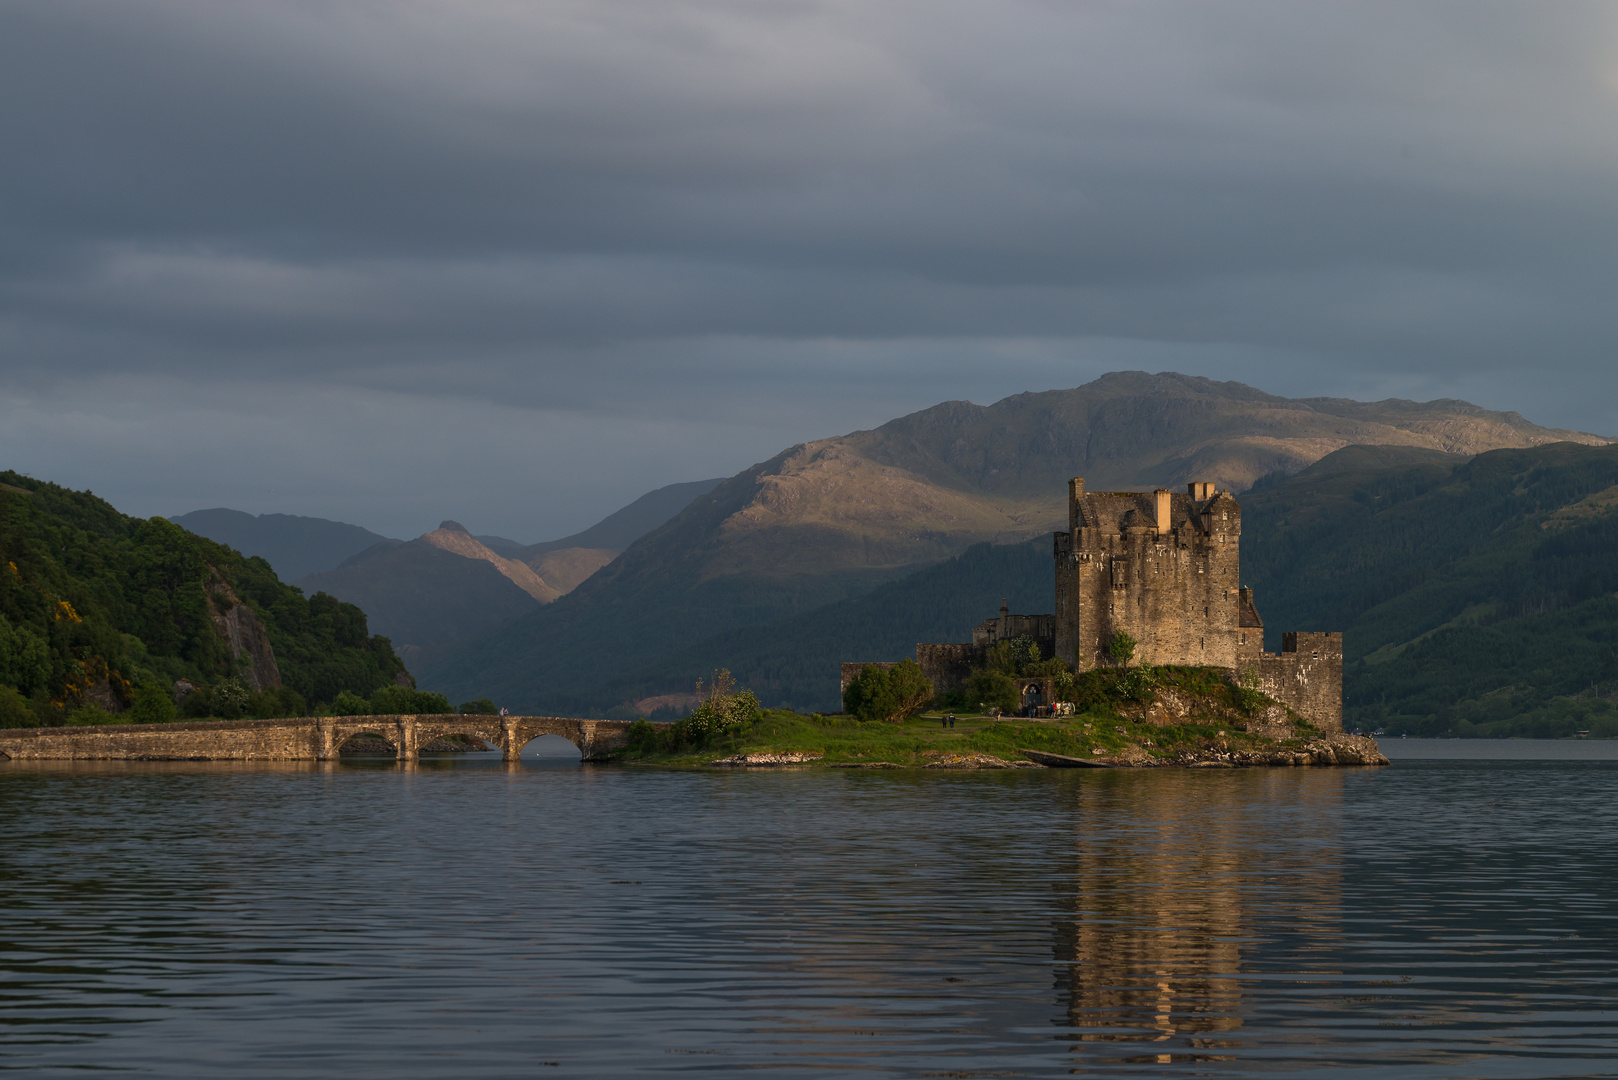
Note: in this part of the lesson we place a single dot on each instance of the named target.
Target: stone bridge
(316, 738)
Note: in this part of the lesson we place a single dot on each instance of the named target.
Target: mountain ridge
(294, 545)
(823, 521)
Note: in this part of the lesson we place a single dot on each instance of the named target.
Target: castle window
(1241, 639)
(1317, 654)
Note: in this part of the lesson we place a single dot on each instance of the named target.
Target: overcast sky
(517, 263)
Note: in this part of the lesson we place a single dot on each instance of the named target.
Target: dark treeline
(102, 611)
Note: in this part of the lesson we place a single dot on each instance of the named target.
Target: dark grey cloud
(577, 249)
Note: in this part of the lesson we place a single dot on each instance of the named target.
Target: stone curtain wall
(851, 671)
(948, 666)
(1307, 676)
(302, 739)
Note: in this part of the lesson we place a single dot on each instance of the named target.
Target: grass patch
(1102, 730)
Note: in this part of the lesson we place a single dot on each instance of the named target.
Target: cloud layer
(517, 263)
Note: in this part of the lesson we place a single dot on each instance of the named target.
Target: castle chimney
(1164, 502)
(1075, 490)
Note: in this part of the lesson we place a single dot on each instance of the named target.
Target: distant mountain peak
(453, 538)
(453, 526)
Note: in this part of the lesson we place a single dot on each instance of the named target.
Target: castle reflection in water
(1164, 909)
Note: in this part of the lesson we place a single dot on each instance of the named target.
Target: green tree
(989, 689)
(348, 703)
(25, 657)
(89, 713)
(478, 707)
(152, 704)
(1121, 648)
(273, 702)
(231, 699)
(392, 700)
(888, 694)
(14, 710)
(724, 709)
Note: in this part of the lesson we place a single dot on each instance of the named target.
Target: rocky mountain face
(452, 536)
(927, 485)
(829, 520)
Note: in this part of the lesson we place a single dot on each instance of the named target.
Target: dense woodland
(92, 598)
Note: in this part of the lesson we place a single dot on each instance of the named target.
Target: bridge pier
(325, 739)
(407, 748)
(510, 741)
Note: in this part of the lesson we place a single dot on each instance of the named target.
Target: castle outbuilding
(1164, 568)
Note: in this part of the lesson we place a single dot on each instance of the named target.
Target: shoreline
(789, 741)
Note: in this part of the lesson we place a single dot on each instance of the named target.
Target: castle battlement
(1163, 567)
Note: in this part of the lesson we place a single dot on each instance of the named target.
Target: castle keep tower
(1162, 567)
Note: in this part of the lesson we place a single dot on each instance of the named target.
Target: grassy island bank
(1181, 717)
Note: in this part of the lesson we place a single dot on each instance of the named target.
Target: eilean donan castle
(1163, 567)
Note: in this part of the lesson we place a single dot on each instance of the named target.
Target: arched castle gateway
(1163, 567)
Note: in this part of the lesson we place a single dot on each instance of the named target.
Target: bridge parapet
(309, 738)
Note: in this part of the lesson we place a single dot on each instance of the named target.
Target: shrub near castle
(888, 694)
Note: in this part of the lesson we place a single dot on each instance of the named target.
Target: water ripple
(474, 919)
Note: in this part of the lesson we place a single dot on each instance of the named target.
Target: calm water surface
(1440, 918)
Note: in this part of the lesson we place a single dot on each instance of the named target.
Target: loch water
(468, 918)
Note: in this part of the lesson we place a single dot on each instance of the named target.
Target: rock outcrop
(795, 757)
(249, 644)
(452, 536)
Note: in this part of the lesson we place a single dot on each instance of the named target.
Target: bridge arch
(551, 745)
(378, 733)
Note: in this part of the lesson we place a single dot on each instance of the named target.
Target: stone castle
(1164, 568)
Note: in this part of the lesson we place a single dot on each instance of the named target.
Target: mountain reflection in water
(475, 919)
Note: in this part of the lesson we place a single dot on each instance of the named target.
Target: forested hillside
(95, 606)
(1474, 598)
